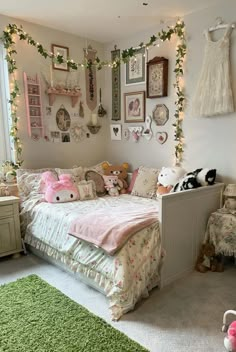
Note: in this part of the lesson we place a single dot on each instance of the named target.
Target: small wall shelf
(53, 92)
(33, 104)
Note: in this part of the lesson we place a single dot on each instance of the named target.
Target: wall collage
(66, 123)
(155, 75)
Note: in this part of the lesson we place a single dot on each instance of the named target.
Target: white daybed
(128, 275)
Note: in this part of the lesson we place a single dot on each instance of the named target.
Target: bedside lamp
(230, 194)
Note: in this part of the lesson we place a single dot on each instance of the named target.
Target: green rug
(35, 316)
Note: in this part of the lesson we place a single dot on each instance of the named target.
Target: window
(5, 142)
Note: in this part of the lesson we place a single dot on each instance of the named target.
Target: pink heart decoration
(161, 137)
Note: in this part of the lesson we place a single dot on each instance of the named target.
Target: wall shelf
(33, 104)
(53, 92)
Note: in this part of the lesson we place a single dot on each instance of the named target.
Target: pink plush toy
(230, 340)
(60, 191)
(112, 184)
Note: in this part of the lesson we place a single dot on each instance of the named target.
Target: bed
(141, 264)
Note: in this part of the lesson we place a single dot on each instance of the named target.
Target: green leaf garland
(179, 30)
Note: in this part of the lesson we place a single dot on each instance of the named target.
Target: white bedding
(124, 277)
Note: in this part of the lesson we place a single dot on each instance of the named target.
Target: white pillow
(146, 182)
(87, 190)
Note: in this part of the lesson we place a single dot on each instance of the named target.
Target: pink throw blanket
(110, 229)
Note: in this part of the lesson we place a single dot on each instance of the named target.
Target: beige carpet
(186, 316)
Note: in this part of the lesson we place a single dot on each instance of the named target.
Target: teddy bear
(117, 170)
(230, 339)
(113, 185)
(208, 260)
(167, 178)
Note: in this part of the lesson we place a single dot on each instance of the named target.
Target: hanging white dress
(214, 94)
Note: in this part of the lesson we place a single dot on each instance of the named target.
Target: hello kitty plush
(167, 178)
(59, 191)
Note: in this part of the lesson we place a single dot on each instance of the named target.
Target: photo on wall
(135, 69)
(134, 104)
(115, 132)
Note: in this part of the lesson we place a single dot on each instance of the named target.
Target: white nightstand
(10, 236)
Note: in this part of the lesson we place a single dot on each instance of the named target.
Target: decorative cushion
(87, 190)
(132, 182)
(77, 173)
(20, 172)
(98, 180)
(145, 183)
(28, 183)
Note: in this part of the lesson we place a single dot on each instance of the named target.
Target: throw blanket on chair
(110, 230)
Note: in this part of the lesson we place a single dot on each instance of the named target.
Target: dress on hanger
(214, 94)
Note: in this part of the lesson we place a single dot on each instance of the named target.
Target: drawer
(6, 211)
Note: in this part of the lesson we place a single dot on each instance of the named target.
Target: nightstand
(10, 236)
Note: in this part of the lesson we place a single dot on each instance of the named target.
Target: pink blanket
(110, 229)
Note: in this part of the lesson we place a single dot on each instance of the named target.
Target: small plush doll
(59, 191)
(113, 185)
(208, 260)
(230, 339)
(117, 170)
(167, 178)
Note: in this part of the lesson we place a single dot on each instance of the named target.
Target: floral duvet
(125, 277)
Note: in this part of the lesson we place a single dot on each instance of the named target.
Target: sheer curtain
(5, 140)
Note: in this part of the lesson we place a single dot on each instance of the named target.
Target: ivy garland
(178, 29)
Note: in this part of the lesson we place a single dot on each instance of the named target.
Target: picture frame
(135, 69)
(115, 132)
(160, 114)
(64, 51)
(134, 105)
(157, 77)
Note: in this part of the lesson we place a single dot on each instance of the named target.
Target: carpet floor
(185, 316)
(36, 317)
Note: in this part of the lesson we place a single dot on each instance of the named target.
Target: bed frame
(183, 219)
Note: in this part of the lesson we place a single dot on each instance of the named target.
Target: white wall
(41, 153)
(209, 142)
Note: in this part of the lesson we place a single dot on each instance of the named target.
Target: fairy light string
(165, 35)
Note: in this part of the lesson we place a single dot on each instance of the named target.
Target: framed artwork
(115, 132)
(160, 114)
(134, 104)
(64, 51)
(135, 69)
(116, 87)
(63, 119)
(157, 77)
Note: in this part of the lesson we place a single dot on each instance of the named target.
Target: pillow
(98, 180)
(77, 173)
(28, 183)
(20, 172)
(145, 183)
(29, 180)
(133, 179)
(98, 168)
(87, 190)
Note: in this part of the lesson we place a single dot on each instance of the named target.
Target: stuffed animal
(208, 260)
(117, 170)
(189, 181)
(167, 178)
(205, 177)
(59, 191)
(230, 339)
(113, 185)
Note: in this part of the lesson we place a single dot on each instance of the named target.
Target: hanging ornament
(101, 111)
(81, 109)
(78, 132)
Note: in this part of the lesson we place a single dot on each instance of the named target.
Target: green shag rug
(35, 316)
